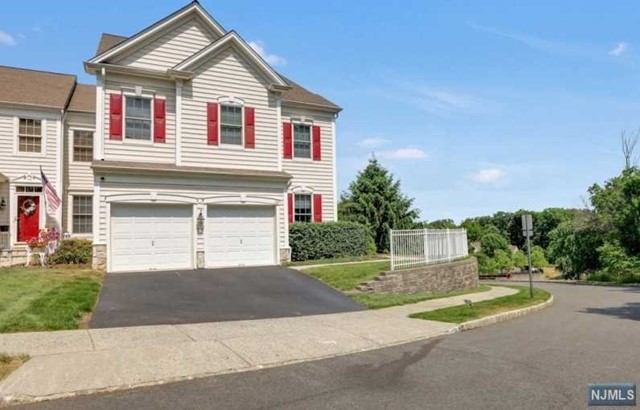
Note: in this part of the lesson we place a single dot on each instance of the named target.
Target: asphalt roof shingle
(83, 99)
(31, 87)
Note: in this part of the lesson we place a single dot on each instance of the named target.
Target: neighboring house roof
(32, 87)
(83, 99)
(192, 9)
(154, 168)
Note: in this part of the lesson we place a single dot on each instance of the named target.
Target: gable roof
(83, 99)
(108, 41)
(300, 95)
(193, 8)
(32, 87)
(232, 38)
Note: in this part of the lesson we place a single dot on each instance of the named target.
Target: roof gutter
(170, 74)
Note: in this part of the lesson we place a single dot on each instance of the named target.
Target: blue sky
(475, 106)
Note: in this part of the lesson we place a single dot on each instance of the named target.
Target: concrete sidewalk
(84, 361)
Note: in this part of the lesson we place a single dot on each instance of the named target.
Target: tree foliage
(375, 200)
(493, 242)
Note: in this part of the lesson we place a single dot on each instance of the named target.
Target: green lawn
(346, 277)
(35, 299)
(464, 313)
(384, 300)
(340, 260)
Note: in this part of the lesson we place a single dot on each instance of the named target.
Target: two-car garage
(164, 236)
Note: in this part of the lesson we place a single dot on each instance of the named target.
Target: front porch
(22, 216)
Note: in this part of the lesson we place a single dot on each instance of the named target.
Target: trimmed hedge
(72, 251)
(310, 241)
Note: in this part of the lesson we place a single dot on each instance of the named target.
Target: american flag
(51, 197)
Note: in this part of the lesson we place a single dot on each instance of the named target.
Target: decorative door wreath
(28, 207)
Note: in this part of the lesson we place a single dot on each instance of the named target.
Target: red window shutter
(317, 208)
(287, 139)
(159, 120)
(212, 123)
(290, 207)
(115, 116)
(317, 147)
(249, 127)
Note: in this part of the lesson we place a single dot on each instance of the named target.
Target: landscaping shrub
(72, 251)
(329, 240)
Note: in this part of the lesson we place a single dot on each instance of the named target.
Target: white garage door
(240, 236)
(150, 237)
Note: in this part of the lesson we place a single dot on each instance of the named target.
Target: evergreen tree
(374, 199)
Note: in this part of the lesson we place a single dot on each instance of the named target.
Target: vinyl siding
(172, 47)
(141, 151)
(14, 164)
(316, 176)
(192, 190)
(4, 213)
(227, 74)
(78, 176)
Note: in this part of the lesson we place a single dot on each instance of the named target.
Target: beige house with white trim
(189, 152)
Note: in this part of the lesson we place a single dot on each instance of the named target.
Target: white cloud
(373, 142)
(404, 153)
(272, 59)
(437, 101)
(619, 49)
(537, 43)
(489, 176)
(7, 39)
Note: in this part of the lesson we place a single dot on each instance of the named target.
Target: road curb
(568, 282)
(501, 317)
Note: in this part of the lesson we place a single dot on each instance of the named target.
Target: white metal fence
(416, 247)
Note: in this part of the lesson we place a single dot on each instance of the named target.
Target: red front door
(28, 217)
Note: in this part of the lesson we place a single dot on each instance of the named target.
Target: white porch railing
(417, 247)
(4, 240)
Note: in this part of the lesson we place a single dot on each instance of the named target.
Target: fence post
(448, 245)
(425, 233)
(391, 250)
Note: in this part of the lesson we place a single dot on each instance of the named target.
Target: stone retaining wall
(443, 277)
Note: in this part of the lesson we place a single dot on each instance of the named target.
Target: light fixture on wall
(200, 224)
(3, 203)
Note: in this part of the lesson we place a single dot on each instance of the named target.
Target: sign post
(527, 231)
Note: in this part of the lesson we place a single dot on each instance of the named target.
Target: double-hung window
(230, 124)
(82, 146)
(82, 214)
(137, 118)
(302, 208)
(29, 135)
(301, 141)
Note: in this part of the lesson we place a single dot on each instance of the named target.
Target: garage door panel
(240, 236)
(150, 237)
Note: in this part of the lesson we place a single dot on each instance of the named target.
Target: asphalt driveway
(213, 295)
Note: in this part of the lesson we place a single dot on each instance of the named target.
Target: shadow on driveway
(213, 295)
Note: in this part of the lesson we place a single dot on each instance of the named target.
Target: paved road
(213, 295)
(541, 361)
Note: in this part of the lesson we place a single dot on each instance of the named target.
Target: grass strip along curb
(470, 312)
(10, 363)
(385, 300)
